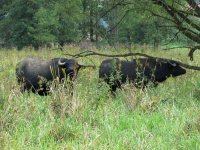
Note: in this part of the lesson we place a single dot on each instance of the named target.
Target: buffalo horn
(173, 64)
(61, 63)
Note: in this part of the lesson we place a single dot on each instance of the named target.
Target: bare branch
(166, 26)
(177, 47)
(92, 53)
(175, 35)
(112, 28)
(195, 6)
(110, 9)
(164, 17)
(192, 50)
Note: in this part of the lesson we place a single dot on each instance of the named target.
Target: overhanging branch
(192, 50)
(92, 53)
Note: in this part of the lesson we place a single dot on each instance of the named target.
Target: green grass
(166, 117)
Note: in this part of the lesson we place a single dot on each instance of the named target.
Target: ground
(166, 117)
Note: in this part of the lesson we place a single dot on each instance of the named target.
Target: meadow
(165, 117)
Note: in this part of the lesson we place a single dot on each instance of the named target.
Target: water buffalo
(35, 75)
(139, 71)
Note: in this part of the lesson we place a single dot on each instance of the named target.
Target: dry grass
(132, 96)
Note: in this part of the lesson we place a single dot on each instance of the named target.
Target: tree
(39, 22)
(184, 16)
(136, 25)
(18, 24)
(69, 20)
(4, 22)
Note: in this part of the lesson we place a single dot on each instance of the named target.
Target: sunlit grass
(166, 117)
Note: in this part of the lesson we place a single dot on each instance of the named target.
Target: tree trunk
(91, 21)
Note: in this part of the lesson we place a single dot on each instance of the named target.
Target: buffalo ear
(81, 66)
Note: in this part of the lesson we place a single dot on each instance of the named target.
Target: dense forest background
(39, 23)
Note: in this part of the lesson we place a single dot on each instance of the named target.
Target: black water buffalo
(139, 71)
(35, 75)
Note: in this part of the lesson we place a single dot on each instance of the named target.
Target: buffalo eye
(69, 66)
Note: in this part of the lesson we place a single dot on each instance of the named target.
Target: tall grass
(166, 117)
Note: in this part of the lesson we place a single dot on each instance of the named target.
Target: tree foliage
(37, 22)
(40, 22)
(184, 16)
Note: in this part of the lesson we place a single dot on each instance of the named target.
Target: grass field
(166, 117)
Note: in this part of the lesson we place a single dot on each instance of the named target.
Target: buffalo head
(70, 66)
(175, 69)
